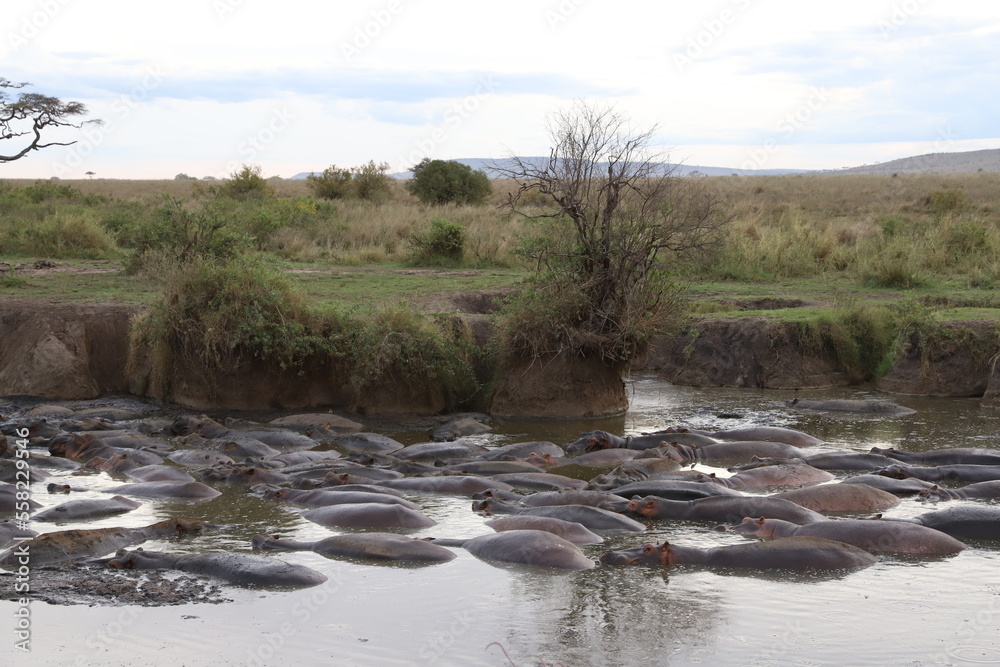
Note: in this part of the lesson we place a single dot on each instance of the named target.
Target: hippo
(764, 476)
(527, 547)
(684, 436)
(868, 407)
(674, 489)
(792, 553)
(722, 509)
(463, 485)
(319, 420)
(373, 516)
(458, 449)
(594, 518)
(87, 508)
(847, 461)
(736, 451)
(491, 467)
(899, 487)
(571, 497)
(600, 458)
(203, 426)
(84, 448)
(9, 502)
(944, 473)
(236, 568)
(367, 442)
(789, 436)
(595, 440)
(321, 498)
(951, 456)
(108, 413)
(572, 531)
(459, 428)
(187, 490)
(965, 522)
(289, 459)
(541, 481)
(66, 545)
(240, 447)
(130, 440)
(11, 531)
(199, 458)
(833, 498)
(887, 537)
(521, 450)
(243, 475)
(980, 490)
(158, 473)
(378, 546)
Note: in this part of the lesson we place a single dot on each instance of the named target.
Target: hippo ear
(649, 504)
(760, 521)
(665, 546)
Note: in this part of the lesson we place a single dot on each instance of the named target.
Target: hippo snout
(615, 558)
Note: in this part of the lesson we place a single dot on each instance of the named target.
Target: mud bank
(79, 351)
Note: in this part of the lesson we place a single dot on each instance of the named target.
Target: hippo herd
(803, 504)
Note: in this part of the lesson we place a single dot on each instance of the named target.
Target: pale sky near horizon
(204, 86)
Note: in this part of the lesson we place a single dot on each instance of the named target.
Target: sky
(203, 87)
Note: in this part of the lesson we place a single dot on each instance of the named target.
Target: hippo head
(647, 554)
(644, 507)
(484, 506)
(894, 471)
(750, 526)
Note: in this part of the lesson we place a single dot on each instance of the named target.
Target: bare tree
(23, 120)
(627, 213)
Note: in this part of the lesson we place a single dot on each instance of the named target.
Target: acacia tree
(604, 287)
(24, 119)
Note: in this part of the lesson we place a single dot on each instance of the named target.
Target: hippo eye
(648, 549)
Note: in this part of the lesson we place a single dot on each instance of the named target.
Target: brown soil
(89, 586)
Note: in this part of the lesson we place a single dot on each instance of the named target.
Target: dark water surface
(467, 612)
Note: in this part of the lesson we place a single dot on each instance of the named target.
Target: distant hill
(935, 163)
(932, 163)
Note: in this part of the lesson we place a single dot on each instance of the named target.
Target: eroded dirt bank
(79, 351)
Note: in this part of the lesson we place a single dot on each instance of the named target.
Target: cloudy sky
(204, 86)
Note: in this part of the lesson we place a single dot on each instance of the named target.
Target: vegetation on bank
(895, 254)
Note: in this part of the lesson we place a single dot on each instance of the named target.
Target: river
(900, 611)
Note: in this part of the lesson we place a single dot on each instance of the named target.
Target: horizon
(202, 88)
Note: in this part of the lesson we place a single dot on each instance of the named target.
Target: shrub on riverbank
(216, 314)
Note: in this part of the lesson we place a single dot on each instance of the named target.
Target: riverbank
(73, 351)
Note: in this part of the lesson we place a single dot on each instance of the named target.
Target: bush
(247, 183)
(333, 183)
(948, 199)
(448, 182)
(444, 240)
(371, 182)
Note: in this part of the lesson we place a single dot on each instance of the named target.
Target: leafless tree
(628, 214)
(24, 119)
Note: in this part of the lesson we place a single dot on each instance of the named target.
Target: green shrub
(444, 240)
(448, 182)
(333, 183)
(966, 238)
(247, 183)
(371, 182)
(945, 200)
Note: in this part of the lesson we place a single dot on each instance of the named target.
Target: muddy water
(468, 612)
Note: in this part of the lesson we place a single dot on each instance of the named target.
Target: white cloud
(387, 79)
